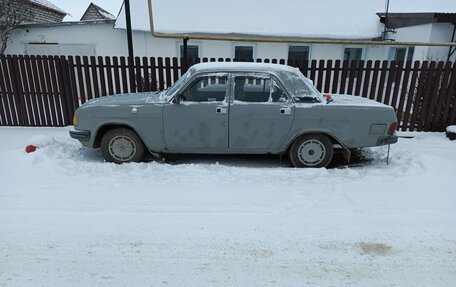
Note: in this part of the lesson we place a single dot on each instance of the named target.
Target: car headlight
(75, 120)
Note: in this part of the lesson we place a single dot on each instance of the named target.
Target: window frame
(233, 75)
(294, 45)
(189, 43)
(244, 44)
(363, 51)
(206, 74)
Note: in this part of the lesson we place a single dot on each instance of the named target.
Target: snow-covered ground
(68, 219)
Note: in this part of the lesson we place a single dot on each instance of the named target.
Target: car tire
(122, 145)
(313, 150)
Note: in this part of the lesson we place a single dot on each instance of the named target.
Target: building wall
(100, 39)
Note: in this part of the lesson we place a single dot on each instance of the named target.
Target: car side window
(206, 89)
(257, 89)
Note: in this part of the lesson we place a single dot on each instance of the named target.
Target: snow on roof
(49, 5)
(333, 19)
(105, 14)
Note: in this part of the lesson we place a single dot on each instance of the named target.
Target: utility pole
(129, 33)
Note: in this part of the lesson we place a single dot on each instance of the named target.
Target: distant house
(244, 29)
(95, 12)
(45, 12)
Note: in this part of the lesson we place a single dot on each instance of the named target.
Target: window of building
(243, 53)
(298, 54)
(411, 51)
(353, 54)
(192, 51)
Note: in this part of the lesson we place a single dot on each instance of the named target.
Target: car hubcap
(122, 148)
(311, 152)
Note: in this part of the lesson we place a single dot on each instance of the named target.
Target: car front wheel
(122, 145)
(311, 151)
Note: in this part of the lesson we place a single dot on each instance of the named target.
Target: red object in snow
(30, 148)
(328, 97)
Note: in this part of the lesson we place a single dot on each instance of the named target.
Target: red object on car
(392, 128)
(30, 148)
(328, 97)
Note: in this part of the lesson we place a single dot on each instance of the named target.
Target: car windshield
(299, 86)
(173, 89)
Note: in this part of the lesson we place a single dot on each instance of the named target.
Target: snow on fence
(45, 91)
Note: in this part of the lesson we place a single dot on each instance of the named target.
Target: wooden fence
(45, 91)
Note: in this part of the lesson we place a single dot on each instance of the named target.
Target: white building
(288, 21)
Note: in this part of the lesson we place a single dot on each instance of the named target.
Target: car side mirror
(177, 99)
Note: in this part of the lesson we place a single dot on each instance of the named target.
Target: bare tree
(12, 14)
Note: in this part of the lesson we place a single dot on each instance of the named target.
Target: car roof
(242, 67)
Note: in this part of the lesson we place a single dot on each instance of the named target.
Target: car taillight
(392, 128)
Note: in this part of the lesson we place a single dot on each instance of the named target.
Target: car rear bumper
(80, 135)
(387, 140)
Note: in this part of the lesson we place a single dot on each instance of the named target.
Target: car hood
(126, 99)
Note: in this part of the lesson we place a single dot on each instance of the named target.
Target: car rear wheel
(313, 150)
(122, 145)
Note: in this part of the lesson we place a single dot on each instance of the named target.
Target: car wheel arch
(103, 129)
(332, 138)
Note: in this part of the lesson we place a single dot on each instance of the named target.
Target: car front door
(261, 114)
(199, 122)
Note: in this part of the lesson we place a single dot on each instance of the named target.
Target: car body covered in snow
(235, 108)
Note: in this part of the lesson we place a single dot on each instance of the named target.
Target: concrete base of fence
(451, 132)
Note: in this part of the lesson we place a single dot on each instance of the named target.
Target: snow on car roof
(331, 19)
(242, 66)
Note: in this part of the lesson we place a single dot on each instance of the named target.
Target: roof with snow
(95, 12)
(48, 5)
(324, 19)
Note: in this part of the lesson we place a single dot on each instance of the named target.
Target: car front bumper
(80, 135)
(388, 140)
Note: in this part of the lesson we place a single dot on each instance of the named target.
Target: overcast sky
(77, 7)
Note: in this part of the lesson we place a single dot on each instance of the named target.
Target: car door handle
(285, 111)
(221, 110)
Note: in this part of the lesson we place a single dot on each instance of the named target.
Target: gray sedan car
(235, 108)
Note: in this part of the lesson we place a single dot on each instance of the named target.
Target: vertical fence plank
(168, 71)
(389, 83)
(101, 70)
(110, 80)
(335, 83)
(422, 85)
(18, 91)
(451, 93)
(74, 87)
(381, 83)
(115, 67)
(397, 83)
(328, 76)
(48, 92)
(430, 102)
(161, 81)
(351, 78)
(436, 124)
(38, 98)
(23, 82)
(153, 70)
(56, 94)
(367, 83)
(319, 78)
(359, 77)
(9, 92)
(8, 120)
(403, 94)
(82, 92)
(373, 85)
(410, 96)
(32, 90)
(140, 80)
(175, 66)
(43, 91)
(146, 76)
(123, 72)
(95, 70)
(88, 83)
(343, 78)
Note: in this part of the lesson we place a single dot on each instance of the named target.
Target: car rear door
(199, 123)
(261, 113)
